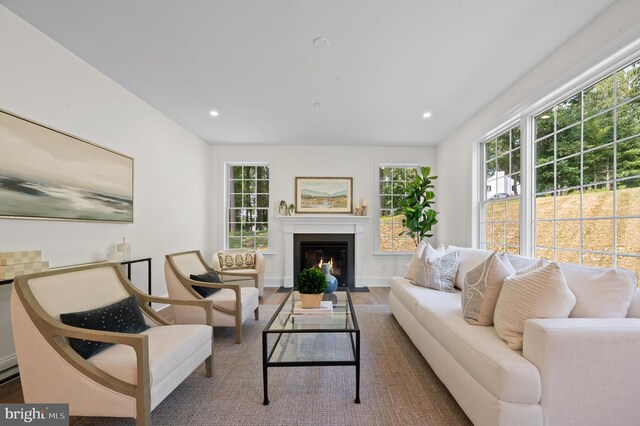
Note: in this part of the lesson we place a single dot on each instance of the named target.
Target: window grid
(586, 213)
(500, 208)
(248, 206)
(392, 180)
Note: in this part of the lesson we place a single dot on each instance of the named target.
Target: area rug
(397, 386)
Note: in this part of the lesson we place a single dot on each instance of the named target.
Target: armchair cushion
(237, 259)
(124, 316)
(208, 277)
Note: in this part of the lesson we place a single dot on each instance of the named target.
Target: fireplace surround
(324, 225)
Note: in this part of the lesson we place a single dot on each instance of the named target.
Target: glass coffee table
(291, 340)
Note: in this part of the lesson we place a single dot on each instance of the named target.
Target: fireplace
(326, 226)
(312, 250)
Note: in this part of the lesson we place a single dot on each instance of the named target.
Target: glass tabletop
(290, 317)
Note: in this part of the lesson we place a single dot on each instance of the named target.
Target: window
(587, 174)
(248, 206)
(392, 179)
(500, 208)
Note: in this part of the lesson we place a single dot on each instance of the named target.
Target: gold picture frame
(322, 195)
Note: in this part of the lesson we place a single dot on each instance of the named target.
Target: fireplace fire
(313, 250)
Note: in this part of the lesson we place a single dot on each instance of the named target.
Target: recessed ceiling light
(426, 115)
(317, 104)
(320, 42)
(214, 113)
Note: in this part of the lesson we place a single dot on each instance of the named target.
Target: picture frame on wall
(324, 195)
(49, 174)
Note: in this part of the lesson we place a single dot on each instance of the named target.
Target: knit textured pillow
(440, 274)
(481, 289)
(542, 293)
(237, 259)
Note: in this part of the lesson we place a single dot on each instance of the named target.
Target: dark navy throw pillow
(124, 316)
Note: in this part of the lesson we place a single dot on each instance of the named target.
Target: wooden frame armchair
(249, 276)
(232, 304)
(127, 379)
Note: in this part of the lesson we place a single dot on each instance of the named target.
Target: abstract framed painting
(49, 174)
(324, 195)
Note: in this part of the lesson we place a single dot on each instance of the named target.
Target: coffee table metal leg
(357, 400)
(264, 369)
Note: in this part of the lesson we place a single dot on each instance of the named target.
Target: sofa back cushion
(634, 309)
(600, 292)
(469, 259)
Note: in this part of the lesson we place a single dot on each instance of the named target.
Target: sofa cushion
(542, 293)
(600, 292)
(439, 274)
(410, 295)
(481, 289)
(469, 259)
(166, 352)
(504, 373)
(226, 298)
(634, 309)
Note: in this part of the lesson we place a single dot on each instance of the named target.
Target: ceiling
(254, 61)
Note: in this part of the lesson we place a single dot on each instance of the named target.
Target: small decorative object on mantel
(311, 283)
(283, 209)
(291, 209)
(15, 263)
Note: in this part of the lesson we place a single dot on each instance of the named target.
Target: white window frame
(610, 61)
(378, 206)
(482, 182)
(587, 79)
(226, 197)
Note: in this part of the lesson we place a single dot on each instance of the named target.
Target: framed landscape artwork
(324, 195)
(48, 174)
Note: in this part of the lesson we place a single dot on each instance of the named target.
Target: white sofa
(581, 370)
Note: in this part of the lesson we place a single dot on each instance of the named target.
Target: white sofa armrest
(589, 369)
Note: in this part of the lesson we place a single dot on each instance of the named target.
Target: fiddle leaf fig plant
(419, 217)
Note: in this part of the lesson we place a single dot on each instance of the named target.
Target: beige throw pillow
(237, 259)
(543, 293)
(481, 289)
(439, 274)
(431, 253)
(415, 260)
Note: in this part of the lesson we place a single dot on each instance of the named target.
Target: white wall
(287, 162)
(456, 155)
(42, 81)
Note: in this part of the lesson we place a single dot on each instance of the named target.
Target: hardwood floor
(11, 392)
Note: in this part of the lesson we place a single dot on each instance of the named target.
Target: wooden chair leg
(238, 328)
(208, 364)
(256, 314)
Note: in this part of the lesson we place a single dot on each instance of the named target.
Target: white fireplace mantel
(323, 224)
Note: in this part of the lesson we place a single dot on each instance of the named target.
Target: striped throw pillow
(542, 293)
